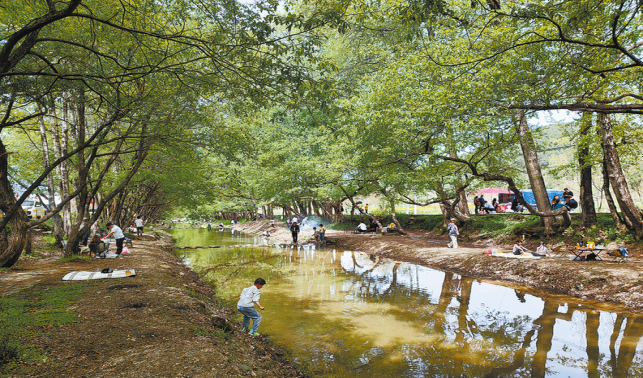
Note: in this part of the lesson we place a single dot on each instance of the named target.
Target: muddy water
(349, 314)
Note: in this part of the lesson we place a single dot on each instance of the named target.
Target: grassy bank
(29, 315)
(506, 227)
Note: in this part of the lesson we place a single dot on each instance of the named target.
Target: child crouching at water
(246, 305)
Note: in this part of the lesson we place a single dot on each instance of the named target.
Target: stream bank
(162, 322)
(603, 281)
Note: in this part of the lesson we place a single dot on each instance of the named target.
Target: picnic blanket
(84, 276)
(512, 256)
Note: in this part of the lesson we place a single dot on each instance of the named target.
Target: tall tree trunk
(61, 169)
(631, 214)
(11, 242)
(586, 198)
(463, 205)
(51, 189)
(534, 172)
(397, 224)
(620, 226)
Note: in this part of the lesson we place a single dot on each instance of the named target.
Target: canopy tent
(503, 195)
(529, 195)
(494, 190)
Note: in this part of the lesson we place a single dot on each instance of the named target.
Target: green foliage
(22, 314)
(49, 239)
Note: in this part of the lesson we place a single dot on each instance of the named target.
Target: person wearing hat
(541, 250)
(452, 230)
(294, 230)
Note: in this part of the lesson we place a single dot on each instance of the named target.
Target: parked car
(33, 209)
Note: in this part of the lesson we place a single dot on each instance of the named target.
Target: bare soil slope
(161, 323)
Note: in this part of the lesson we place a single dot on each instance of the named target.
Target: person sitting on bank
(518, 249)
(567, 195)
(489, 208)
(361, 227)
(541, 251)
(516, 206)
(557, 204)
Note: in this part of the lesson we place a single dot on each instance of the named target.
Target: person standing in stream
(246, 305)
(294, 229)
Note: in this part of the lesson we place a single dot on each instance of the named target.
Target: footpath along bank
(161, 323)
(604, 281)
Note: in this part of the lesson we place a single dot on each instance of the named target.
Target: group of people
(93, 239)
(372, 225)
(319, 234)
(483, 206)
(520, 250)
(567, 201)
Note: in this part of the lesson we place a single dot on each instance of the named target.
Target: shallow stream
(350, 314)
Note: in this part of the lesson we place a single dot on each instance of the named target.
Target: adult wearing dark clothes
(294, 229)
(568, 200)
(118, 236)
(482, 202)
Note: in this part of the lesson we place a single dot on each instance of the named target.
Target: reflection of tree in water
(463, 342)
(449, 352)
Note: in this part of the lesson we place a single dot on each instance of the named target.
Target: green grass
(505, 227)
(50, 239)
(22, 314)
(75, 258)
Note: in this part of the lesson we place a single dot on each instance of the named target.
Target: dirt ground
(160, 323)
(604, 281)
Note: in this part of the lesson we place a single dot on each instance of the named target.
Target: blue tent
(529, 195)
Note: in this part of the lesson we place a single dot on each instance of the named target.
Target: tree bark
(620, 226)
(397, 224)
(11, 244)
(61, 169)
(51, 189)
(534, 172)
(631, 214)
(586, 197)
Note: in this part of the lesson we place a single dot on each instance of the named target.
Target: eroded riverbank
(604, 281)
(163, 322)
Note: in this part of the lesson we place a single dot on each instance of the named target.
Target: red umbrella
(494, 190)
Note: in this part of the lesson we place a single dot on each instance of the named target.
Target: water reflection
(349, 314)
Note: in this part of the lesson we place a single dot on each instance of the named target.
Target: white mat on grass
(84, 276)
(512, 256)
